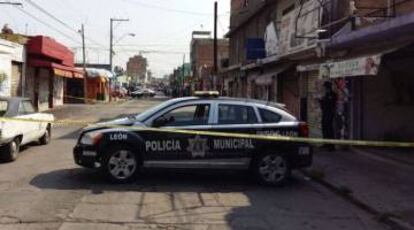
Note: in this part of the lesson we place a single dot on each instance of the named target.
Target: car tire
(272, 169)
(120, 164)
(10, 152)
(45, 139)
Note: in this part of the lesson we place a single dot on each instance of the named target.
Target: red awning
(58, 69)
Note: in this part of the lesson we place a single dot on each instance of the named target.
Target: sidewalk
(385, 185)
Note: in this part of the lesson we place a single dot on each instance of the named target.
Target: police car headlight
(91, 138)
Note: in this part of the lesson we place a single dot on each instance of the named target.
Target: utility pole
(111, 39)
(85, 82)
(215, 69)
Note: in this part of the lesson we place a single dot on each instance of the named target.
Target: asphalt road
(44, 189)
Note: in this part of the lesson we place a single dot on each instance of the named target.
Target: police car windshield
(148, 113)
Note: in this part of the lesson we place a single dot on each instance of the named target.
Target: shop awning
(401, 27)
(267, 78)
(58, 69)
(102, 73)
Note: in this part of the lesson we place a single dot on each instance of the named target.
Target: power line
(171, 10)
(35, 5)
(48, 25)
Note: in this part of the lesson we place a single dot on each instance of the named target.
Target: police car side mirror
(161, 121)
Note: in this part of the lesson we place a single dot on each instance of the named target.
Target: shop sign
(364, 66)
(305, 25)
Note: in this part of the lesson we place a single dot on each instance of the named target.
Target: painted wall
(58, 86)
(5, 75)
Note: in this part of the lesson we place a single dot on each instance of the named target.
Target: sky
(162, 28)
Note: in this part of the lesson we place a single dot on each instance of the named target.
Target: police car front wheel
(120, 164)
(272, 169)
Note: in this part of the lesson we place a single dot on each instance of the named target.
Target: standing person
(328, 107)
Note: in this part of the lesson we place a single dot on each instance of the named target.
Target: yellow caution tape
(390, 144)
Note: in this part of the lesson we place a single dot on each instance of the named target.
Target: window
(26, 107)
(236, 114)
(184, 116)
(3, 107)
(269, 116)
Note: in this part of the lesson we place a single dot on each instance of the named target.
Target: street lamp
(123, 36)
(111, 39)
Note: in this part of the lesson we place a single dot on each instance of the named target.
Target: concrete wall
(44, 89)
(388, 103)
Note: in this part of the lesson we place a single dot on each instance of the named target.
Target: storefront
(375, 100)
(50, 66)
(98, 84)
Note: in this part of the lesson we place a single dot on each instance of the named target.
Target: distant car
(137, 93)
(143, 93)
(122, 152)
(119, 92)
(15, 133)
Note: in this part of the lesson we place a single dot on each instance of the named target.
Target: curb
(394, 223)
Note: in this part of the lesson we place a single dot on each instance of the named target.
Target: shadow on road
(229, 200)
(161, 180)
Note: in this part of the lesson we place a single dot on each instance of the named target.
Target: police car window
(236, 114)
(188, 115)
(269, 116)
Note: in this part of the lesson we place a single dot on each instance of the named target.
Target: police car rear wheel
(272, 169)
(121, 165)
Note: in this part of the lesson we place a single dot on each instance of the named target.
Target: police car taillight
(303, 129)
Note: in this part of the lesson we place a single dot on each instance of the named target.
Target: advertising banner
(363, 66)
(299, 28)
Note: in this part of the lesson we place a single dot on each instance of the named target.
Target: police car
(121, 148)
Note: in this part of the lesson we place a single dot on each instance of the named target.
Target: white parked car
(15, 133)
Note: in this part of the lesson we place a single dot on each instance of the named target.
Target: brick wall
(202, 53)
(16, 80)
(315, 90)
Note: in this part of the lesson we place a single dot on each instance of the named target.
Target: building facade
(202, 62)
(51, 74)
(137, 68)
(284, 51)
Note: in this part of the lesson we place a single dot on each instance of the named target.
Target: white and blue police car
(122, 147)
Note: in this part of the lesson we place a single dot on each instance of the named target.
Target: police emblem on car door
(180, 146)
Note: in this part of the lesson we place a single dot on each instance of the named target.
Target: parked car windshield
(3, 107)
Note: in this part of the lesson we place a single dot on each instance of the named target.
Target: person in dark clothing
(328, 107)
